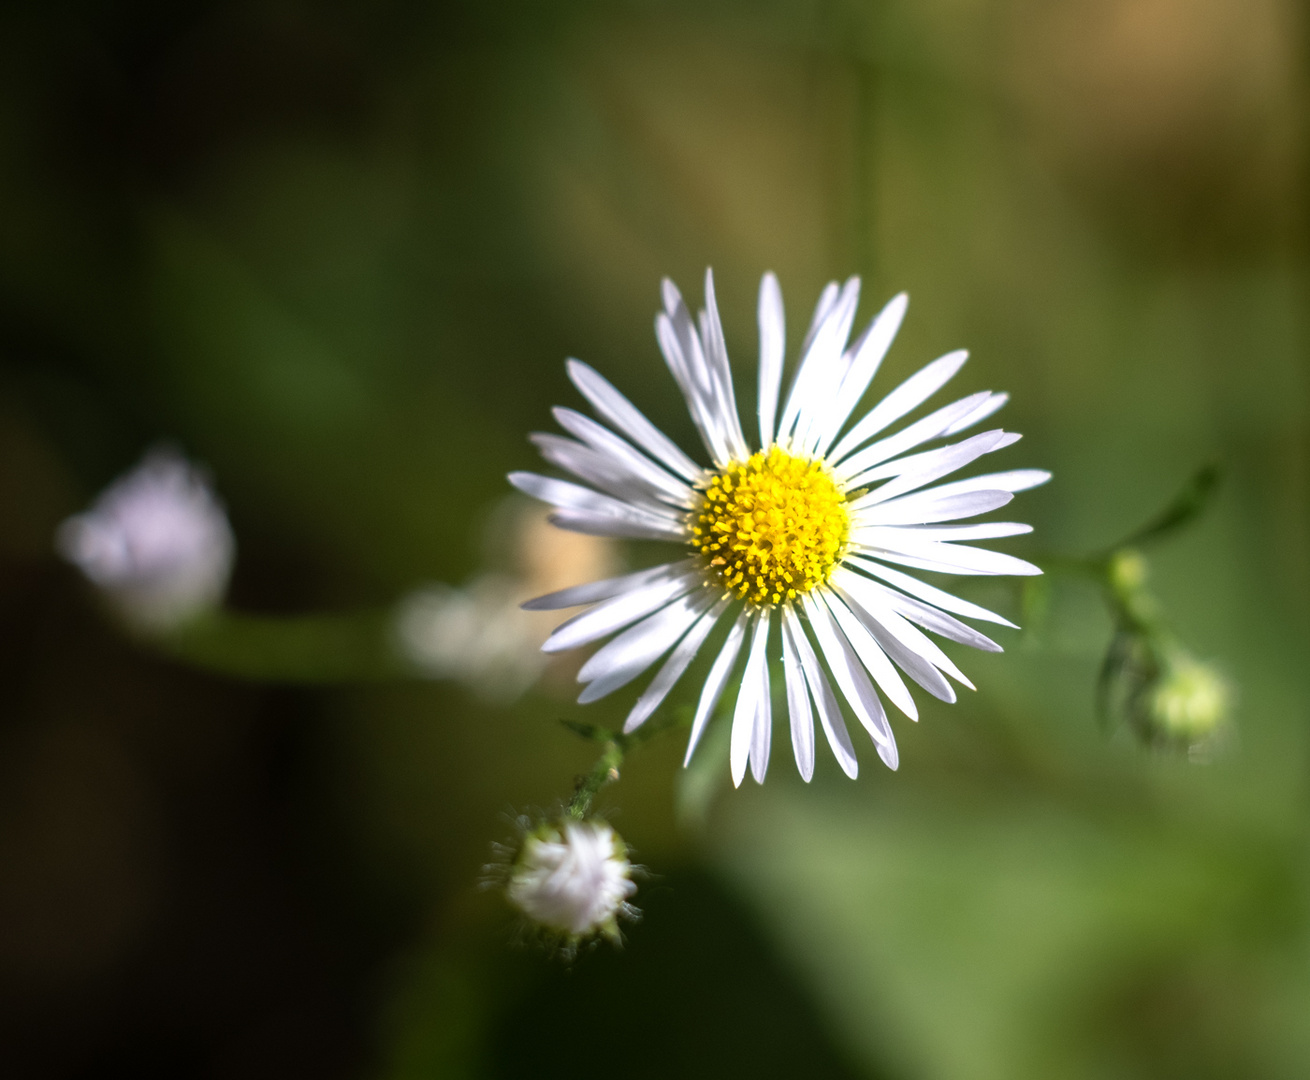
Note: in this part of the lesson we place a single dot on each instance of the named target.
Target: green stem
(605, 771)
(615, 747)
(320, 649)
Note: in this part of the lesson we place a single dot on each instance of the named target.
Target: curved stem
(605, 771)
(346, 648)
(616, 745)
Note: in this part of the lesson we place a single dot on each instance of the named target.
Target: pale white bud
(573, 878)
(157, 541)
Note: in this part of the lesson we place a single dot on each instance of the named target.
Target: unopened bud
(1127, 570)
(1189, 702)
(573, 878)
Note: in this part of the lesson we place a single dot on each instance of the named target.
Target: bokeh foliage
(339, 252)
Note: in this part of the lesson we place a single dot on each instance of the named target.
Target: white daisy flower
(795, 543)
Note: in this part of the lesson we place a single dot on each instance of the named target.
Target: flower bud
(1127, 571)
(573, 878)
(1189, 702)
(157, 542)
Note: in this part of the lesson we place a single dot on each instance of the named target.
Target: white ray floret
(797, 545)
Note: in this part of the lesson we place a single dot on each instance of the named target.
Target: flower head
(572, 878)
(157, 541)
(796, 540)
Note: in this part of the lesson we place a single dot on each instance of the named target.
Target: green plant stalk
(616, 745)
(605, 771)
(321, 649)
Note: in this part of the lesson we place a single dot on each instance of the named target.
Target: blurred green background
(338, 252)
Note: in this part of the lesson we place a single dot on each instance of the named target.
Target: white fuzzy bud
(157, 541)
(573, 878)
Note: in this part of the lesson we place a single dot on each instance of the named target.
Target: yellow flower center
(772, 527)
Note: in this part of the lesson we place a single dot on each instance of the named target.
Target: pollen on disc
(772, 527)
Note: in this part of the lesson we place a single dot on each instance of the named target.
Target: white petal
(924, 507)
(849, 632)
(912, 393)
(847, 669)
(798, 708)
(918, 469)
(831, 363)
(988, 530)
(569, 496)
(931, 618)
(601, 471)
(823, 312)
(762, 733)
(919, 661)
(694, 385)
(743, 716)
(716, 354)
(633, 651)
(605, 441)
(994, 403)
(932, 426)
(905, 645)
(1012, 480)
(715, 682)
(820, 373)
(619, 526)
(931, 594)
(834, 727)
(620, 412)
(674, 667)
(773, 343)
(593, 591)
(942, 558)
(686, 359)
(866, 357)
(913, 465)
(827, 299)
(891, 757)
(619, 611)
(908, 660)
(851, 677)
(947, 626)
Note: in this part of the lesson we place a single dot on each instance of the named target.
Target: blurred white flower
(479, 634)
(157, 542)
(801, 541)
(573, 878)
(476, 634)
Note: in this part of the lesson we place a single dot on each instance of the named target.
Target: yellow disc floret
(771, 527)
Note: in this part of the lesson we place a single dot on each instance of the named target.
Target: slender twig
(605, 771)
(615, 747)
